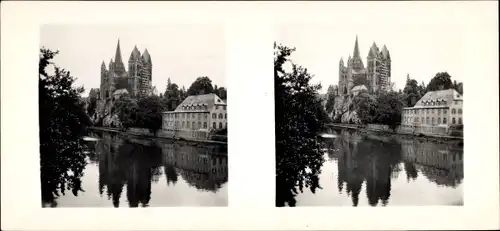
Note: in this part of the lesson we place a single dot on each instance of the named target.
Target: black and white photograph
(133, 116)
(364, 117)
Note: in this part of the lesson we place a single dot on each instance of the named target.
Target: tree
(202, 85)
(441, 81)
(298, 120)
(126, 109)
(389, 108)
(63, 121)
(412, 92)
(172, 97)
(366, 107)
(221, 92)
(330, 99)
(149, 113)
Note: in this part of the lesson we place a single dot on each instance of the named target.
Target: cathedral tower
(119, 68)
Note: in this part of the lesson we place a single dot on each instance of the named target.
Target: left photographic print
(133, 115)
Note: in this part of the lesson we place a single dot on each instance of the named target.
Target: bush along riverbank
(180, 136)
(374, 129)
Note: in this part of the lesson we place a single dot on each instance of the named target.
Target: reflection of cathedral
(201, 167)
(135, 164)
(123, 163)
(438, 162)
(373, 162)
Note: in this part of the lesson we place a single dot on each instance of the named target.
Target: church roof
(146, 56)
(359, 88)
(135, 54)
(118, 54)
(120, 91)
(355, 54)
(373, 51)
(205, 102)
(385, 53)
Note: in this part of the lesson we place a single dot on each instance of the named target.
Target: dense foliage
(63, 120)
(298, 120)
(202, 85)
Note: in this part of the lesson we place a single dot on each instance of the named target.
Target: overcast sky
(420, 50)
(181, 52)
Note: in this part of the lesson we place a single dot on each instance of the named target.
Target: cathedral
(136, 82)
(376, 76)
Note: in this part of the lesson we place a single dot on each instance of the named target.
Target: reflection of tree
(204, 168)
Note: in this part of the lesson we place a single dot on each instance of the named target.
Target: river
(137, 172)
(372, 170)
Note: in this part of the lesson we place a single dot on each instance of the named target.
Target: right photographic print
(369, 115)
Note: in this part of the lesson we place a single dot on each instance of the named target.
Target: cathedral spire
(356, 49)
(118, 55)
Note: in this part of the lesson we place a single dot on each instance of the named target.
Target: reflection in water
(373, 164)
(130, 167)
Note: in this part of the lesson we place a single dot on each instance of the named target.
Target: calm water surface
(370, 170)
(134, 172)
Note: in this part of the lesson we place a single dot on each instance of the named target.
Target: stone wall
(186, 134)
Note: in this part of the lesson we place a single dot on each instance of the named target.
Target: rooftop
(200, 103)
(444, 97)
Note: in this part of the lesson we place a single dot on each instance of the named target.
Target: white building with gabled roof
(436, 111)
(197, 112)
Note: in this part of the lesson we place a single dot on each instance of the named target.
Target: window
(453, 111)
(220, 116)
(204, 124)
(432, 120)
(194, 125)
(220, 125)
(224, 107)
(432, 111)
(460, 111)
(225, 116)
(439, 111)
(187, 124)
(183, 115)
(199, 124)
(226, 125)
(183, 124)
(439, 120)
(216, 107)
(176, 124)
(444, 120)
(427, 120)
(214, 116)
(459, 120)
(456, 102)
(445, 111)
(214, 125)
(199, 116)
(206, 115)
(453, 120)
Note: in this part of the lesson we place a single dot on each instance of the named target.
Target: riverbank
(428, 137)
(116, 130)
